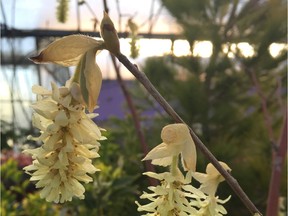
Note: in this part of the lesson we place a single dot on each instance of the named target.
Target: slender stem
(76, 76)
(141, 77)
(267, 116)
(282, 105)
(174, 165)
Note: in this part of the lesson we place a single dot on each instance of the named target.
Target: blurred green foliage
(17, 194)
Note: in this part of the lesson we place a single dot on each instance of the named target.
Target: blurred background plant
(236, 101)
(18, 196)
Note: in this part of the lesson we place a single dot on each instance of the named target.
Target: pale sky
(31, 14)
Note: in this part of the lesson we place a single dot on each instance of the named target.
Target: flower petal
(40, 90)
(161, 151)
(212, 171)
(162, 161)
(200, 177)
(93, 76)
(61, 119)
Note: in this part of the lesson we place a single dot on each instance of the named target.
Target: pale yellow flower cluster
(172, 197)
(70, 140)
(211, 205)
(175, 195)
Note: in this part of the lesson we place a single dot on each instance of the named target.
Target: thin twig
(278, 95)
(267, 116)
(141, 77)
(277, 167)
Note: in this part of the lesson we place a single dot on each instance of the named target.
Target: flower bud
(109, 34)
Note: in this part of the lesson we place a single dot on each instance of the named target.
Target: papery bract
(90, 79)
(68, 50)
(176, 140)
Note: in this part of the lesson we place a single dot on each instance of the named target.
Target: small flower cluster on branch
(175, 195)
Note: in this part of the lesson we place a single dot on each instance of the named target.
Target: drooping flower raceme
(70, 142)
(175, 195)
(70, 138)
(172, 196)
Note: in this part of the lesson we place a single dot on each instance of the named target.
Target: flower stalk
(174, 165)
